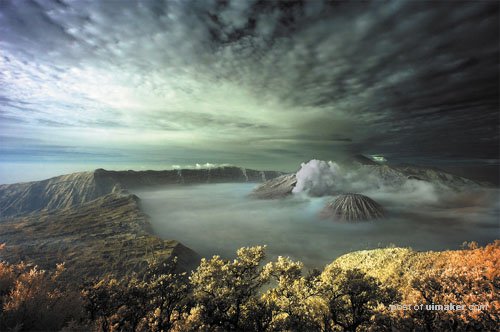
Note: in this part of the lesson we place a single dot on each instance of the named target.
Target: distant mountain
(390, 175)
(70, 190)
(400, 173)
(107, 235)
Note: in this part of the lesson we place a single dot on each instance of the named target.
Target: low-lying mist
(220, 218)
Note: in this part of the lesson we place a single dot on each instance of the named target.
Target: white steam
(317, 177)
(320, 178)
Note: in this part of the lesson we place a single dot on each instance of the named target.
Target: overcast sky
(254, 83)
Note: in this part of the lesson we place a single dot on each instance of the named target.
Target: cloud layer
(260, 84)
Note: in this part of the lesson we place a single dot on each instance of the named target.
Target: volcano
(353, 207)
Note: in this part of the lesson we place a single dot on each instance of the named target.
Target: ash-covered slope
(353, 207)
(70, 190)
(107, 235)
(276, 188)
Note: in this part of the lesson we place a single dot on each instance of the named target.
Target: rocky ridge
(70, 190)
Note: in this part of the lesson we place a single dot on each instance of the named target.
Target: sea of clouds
(220, 218)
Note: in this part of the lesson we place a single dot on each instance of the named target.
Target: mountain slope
(56, 193)
(108, 234)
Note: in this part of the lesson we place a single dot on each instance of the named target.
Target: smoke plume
(321, 178)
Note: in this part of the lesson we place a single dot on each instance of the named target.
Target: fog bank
(219, 218)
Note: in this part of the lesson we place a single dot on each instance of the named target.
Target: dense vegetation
(354, 293)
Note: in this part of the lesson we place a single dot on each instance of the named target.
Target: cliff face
(133, 179)
(107, 235)
(70, 190)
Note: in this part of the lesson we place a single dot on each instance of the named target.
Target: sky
(259, 84)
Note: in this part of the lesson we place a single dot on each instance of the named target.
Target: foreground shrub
(151, 302)
(245, 294)
(470, 278)
(353, 299)
(225, 292)
(33, 299)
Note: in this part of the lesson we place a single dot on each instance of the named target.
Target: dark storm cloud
(417, 72)
(259, 78)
